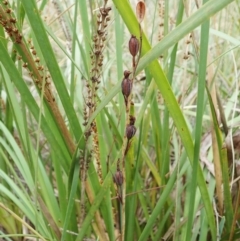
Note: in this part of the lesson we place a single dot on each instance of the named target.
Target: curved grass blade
(199, 118)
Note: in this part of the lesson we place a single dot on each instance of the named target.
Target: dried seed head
(95, 38)
(130, 131)
(8, 10)
(118, 178)
(100, 32)
(4, 23)
(13, 20)
(140, 11)
(15, 30)
(133, 46)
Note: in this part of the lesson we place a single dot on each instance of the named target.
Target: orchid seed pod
(133, 46)
(130, 131)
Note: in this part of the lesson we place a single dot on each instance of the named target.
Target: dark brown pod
(133, 46)
(130, 131)
(126, 84)
(118, 178)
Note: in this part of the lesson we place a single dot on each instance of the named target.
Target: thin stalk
(128, 122)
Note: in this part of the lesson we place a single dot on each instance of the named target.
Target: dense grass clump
(119, 120)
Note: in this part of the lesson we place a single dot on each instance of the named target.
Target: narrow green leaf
(71, 200)
(198, 131)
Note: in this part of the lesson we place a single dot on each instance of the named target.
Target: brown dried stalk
(91, 102)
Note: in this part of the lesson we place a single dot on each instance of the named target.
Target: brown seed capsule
(126, 87)
(140, 11)
(130, 131)
(126, 84)
(118, 178)
(133, 46)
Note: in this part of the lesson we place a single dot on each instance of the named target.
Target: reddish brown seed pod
(140, 11)
(118, 178)
(130, 131)
(133, 45)
(126, 84)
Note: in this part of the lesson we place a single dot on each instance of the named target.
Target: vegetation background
(68, 168)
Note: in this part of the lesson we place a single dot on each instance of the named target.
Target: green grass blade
(199, 118)
(166, 133)
(86, 33)
(71, 200)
